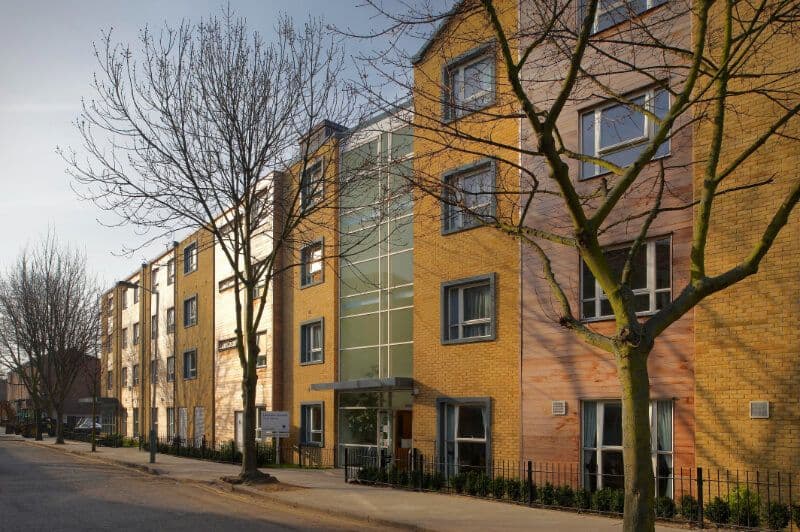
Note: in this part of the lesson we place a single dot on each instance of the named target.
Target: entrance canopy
(367, 385)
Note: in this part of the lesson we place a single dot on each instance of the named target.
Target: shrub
(565, 496)
(777, 515)
(367, 474)
(583, 499)
(458, 482)
(477, 484)
(433, 481)
(514, 489)
(547, 495)
(497, 487)
(665, 507)
(718, 511)
(602, 499)
(618, 501)
(796, 514)
(744, 506)
(690, 509)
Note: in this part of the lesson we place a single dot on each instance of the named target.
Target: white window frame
(226, 344)
(226, 284)
(649, 4)
(599, 296)
(460, 286)
(308, 414)
(314, 354)
(457, 105)
(190, 370)
(190, 265)
(190, 318)
(453, 468)
(455, 217)
(311, 263)
(649, 128)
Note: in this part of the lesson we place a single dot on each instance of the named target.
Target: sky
(46, 66)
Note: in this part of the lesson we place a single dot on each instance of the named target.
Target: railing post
(529, 482)
(346, 465)
(700, 497)
(418, 467)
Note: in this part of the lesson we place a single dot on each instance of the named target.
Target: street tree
(198, 128)
(708, 65)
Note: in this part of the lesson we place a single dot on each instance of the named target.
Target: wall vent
(759, 409)
(559, 408)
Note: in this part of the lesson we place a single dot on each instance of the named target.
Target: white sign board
(275, 424)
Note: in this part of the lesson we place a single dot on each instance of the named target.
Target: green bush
(602, 500)
(433, 481)
(367, 474)
(796, 515)
(477, 484)
(382, 476)
(583, 499)
(690, 509)
(618, 501)
(547, 495)
(665, 507)
(565, 496)
(514, 489)
(718, 511)
(497, 486)
(523, 492)
(458, 482)
(777, 515)
(744, 505)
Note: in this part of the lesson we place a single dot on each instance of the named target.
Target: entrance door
(238, 418)
(402, 434)
(385, 431)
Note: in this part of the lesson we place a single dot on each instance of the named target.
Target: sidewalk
(326, 491)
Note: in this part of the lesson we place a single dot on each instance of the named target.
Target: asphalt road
(42, 489)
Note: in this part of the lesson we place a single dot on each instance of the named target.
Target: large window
(190, 311)
(311, 264)
(311, 185)
(468, 310)
(464, 435)
(469, 83)
(650, 280)
(468, 197)
(612, 12)
(190, 258)
(311, 342)
(618, 133)
(170, 369)
(602, 445)
(259, 410)
(190, 364)
(311, 424)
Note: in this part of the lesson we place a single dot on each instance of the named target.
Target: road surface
(43, 489)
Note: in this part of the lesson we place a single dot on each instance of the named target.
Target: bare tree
(49, 323)
(199, 128)
(711, 62)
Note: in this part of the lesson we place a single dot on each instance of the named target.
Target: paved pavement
(325, 491)
(42, 489)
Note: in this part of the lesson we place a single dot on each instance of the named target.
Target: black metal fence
(727, 498)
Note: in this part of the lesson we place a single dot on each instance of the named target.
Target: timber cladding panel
(199, 391)
(319, 301)
(748, 339)
(556, 364)
(486, 368)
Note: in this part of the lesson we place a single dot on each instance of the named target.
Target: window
(170, 369)
(153, 327)
(311, 342)
(170, 422)
(190, 311)
(190, 364)
(311, 264)
(618, 133)
(110, 305)
(135, 422)
(311, 185)
(311, 424)
(227, 283)
(153, 371)
(261, 359)
(227, 343)
(190, 258)
(154, 277)
(468, 197)
(199, 426)
(469, 83)
(110, 379)
(124, 334)
(183, 421)
(136, 334)
(650, 280)
(135, 294)
(170, 320)
(464, 435)
(259, 410)
(170, 271)
(468, 310)
(124, 299)
(602, 445)
(135, 374)
(124, 377)
(612, 12)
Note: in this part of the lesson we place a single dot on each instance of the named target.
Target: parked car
(84, 426)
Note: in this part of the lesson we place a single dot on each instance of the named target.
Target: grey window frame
(303, 326)
(441, 433)
(304, 264)
(446, 286)
(307, 201)
(306, 431)
(187, 375)
(649, 4)
(193, 262)
(461, 172)
(186, 324)
(451, 110)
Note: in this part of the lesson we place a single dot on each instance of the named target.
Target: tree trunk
(94, 417)
(636, 450)
(59, 427)
(249, 463)
(37, 420)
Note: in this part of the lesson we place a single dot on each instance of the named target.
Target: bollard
(529, 481)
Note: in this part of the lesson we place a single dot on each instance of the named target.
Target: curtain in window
(316, 337)
(476, 307)
(664, 428)
(590, 424)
